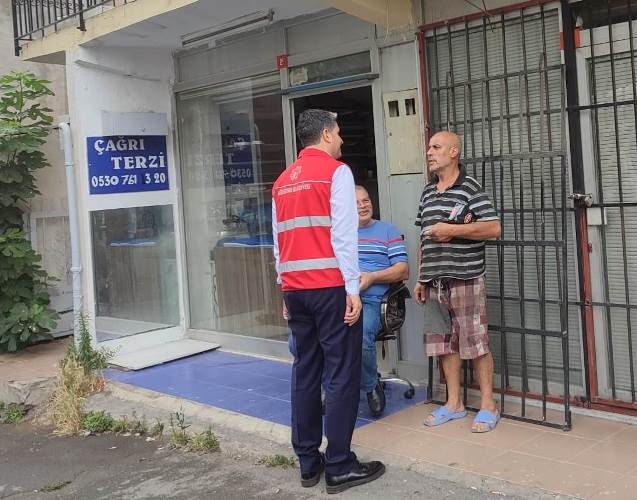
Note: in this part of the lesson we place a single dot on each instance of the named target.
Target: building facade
(183, 116)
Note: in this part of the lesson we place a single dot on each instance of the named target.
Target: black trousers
(325, 347)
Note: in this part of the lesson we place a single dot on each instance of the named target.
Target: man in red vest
(315, 230)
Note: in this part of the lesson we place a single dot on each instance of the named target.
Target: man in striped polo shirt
(382, 259)
(455, 217)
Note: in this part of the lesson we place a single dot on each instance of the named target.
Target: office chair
(392, 317)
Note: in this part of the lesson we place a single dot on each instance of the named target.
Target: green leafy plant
(276, 461)
(121, 424)
(132, 425)
(12, 413)
(93, 360)
(24, 127)
(139, 425)
(205, 442)
(178, 426)
(24, 315)
(98, 421)
(157, 429)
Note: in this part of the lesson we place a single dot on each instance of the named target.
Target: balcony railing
(36, 18)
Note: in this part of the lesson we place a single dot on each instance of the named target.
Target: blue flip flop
(443, 415)
(486, 417)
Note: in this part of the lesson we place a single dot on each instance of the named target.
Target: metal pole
(620, 188)
(581, 222)
(14, 14)
(80, 10)
(76, 265)
(600, 196)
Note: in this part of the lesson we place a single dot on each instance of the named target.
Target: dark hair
(311, 124)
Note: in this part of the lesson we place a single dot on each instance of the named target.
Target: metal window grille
(498, 83)
(605, 111)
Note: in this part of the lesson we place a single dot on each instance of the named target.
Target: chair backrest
(393, 310)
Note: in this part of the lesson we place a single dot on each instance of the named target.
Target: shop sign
(127, 163)
(237, 159)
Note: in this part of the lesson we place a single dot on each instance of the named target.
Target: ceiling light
(241, 23)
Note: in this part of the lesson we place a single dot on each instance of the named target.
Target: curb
(280, 434)
(252, 436)
(28, 392)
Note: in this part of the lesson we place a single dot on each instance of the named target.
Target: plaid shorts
(456, 318)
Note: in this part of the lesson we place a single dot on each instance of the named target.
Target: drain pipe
(76, 267)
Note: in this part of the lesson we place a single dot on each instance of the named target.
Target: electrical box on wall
(402, 127)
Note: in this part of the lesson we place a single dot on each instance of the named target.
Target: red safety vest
(302, 198)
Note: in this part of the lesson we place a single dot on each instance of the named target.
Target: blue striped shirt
(380, 245)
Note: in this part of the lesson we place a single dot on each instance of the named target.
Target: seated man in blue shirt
(382, 259)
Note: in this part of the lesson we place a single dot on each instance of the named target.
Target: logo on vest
(294, 175)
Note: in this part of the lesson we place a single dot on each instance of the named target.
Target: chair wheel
(409, 393)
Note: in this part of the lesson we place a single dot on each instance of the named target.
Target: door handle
(586, 198)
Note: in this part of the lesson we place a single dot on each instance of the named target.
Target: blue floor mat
(244, 384)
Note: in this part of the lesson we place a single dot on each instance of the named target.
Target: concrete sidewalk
(594, 460)
(250, 437)
(28, 376)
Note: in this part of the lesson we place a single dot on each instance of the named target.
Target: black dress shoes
(376, 400)
(361, 473)
(312, 479)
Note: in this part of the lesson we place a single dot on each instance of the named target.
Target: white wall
(103, 82)
(49, 209)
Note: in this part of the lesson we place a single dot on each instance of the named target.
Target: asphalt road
(114, 466)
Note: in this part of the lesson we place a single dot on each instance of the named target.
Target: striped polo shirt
(463, 203)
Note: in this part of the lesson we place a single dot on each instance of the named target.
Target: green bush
(205, 442)
(12, 413)
(98, 421)
(24, 315)
(24, 127)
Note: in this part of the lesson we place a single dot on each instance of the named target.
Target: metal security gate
(601, 73)
(498, 82)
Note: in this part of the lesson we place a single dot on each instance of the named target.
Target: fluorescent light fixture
(238, 24)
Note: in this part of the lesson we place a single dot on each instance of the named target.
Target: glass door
(232, 151)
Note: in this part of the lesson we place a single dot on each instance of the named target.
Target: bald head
(450, 139)
(360, 188)
(443, 153)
